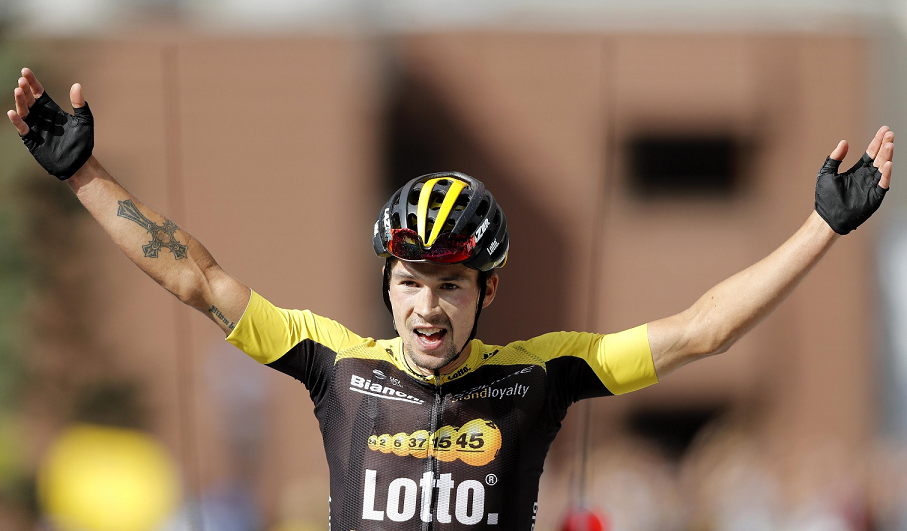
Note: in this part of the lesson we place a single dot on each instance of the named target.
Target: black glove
(59, 141)
(847, 199)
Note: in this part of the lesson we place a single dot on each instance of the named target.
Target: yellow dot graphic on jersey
(475, 443)
(400, 444)
(418, 444)
(384, 443)
(442, 443)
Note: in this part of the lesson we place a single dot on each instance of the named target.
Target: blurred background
(642, 150)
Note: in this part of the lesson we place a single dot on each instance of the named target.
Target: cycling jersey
(459, 451)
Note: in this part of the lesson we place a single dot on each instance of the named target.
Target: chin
(429, 361)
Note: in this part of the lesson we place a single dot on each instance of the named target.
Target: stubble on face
(426, 362)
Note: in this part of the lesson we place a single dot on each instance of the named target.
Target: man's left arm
(732, 308)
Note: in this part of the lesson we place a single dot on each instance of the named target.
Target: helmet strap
(386, 287)
(483, 281)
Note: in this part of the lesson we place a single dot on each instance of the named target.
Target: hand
(846, 200)
(59, 141)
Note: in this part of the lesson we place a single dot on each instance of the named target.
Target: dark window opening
(672, 430)
(683, 166)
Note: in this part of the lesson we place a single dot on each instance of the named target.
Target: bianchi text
(368, 387)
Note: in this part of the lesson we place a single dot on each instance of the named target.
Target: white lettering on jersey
(408, 489)
(469, 504)
(470, 514)
(368, 498)
(368, 387)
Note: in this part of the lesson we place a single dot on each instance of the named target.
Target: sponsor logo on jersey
(460, 372)
(408, 499)
(489, 354)
(378, 374)
(493, 390)
(368, 387)
(475, 443)
(518, 390)
(481, 230)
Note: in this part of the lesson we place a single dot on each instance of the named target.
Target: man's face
(434, 309)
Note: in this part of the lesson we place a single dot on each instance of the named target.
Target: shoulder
(266, 332)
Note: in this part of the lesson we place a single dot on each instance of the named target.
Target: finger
(29, 95)
(21, 106)
(876, 143)
(839, 152)
(75, 96)
(885, 152)
(886, 175)
(21, 126)
(33, 82)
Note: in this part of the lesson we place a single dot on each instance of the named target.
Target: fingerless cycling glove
(846, 200)
(59, 141)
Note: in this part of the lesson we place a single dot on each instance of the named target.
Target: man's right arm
(164, 251)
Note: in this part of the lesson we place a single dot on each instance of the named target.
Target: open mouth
(430, 337)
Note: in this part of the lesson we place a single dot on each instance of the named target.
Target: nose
(427, 303)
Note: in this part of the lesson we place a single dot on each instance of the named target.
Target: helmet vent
(413, 198)
(436, 199)
(483, 208)
(411, 222)
(497, 217)
(461, 203)
(395, 220)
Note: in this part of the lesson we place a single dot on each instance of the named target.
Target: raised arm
(732, 308)
(166, 252)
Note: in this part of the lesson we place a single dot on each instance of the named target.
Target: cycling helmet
(443, 218)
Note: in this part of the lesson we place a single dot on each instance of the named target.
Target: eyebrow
(449, 278)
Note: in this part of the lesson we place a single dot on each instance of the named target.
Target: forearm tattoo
(161, 235)
(216, 313)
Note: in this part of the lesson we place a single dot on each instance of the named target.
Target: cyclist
(435, 429)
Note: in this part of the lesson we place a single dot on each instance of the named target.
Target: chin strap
(483, 282)
(386, 288)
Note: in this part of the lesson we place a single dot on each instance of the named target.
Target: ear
(491, 288)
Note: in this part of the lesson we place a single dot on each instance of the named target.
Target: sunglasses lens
(449, 248)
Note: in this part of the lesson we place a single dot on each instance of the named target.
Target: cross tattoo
(161, 235)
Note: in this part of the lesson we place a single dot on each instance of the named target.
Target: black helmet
(444, 218)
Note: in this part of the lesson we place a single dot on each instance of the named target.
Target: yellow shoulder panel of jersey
(622, 361)
(266, 332)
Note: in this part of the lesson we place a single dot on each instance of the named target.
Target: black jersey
(460, 451)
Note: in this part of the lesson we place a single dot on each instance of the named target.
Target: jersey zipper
(436, 416)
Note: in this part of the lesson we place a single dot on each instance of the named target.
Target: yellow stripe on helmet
(446, 206)
(422, 212)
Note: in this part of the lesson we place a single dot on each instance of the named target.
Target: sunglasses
(449, 248)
